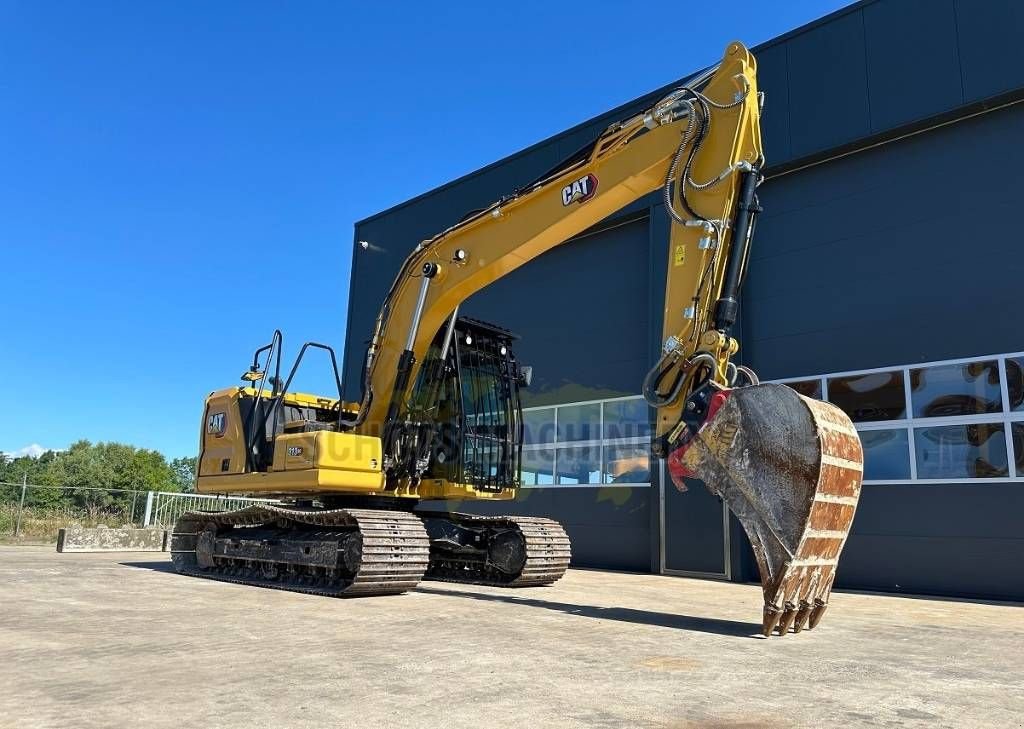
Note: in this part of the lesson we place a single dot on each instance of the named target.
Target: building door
(694, 533)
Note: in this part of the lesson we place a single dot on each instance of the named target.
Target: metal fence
(36, 512)
(163, 508)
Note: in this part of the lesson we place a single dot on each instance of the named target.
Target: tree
(184, 470)
(98, 477)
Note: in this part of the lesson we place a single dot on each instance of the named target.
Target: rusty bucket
(790, 469)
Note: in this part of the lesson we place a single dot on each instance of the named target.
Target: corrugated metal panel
(990, 33)
(874, 259)
(773, 80)
(567, 303)
(828, 86)
(913, 61)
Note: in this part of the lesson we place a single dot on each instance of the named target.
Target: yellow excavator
(440, 414)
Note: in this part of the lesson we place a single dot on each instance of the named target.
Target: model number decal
(580, 191)
(294, 451)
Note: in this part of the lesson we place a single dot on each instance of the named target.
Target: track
(355, 552)
(546, 545)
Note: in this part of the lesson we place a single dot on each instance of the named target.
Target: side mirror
(525, 376)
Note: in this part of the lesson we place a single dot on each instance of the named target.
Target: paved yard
(100, 640)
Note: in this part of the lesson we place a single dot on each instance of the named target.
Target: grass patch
(40, 524)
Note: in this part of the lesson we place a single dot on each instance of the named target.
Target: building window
(578, 465)
(1015, 383)
(971, 450)
(627, 463)
(578, 423)
(957, 420)
(869, 397)
(538, 426)
(538, 467)
(886, 457)
(603, 442)
(626, 419)
(807, 388)
(956, 389)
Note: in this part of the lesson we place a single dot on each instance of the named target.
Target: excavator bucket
(790, 469)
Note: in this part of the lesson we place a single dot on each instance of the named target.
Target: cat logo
(216, 424)
(580, 191)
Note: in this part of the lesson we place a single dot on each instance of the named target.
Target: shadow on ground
(716, 626)
(162, 566)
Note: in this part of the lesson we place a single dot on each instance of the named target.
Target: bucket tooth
(788, 615)
(816, 612)
(790, 469)
(801, 616)
(772, 615)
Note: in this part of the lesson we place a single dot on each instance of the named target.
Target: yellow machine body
(305, 464)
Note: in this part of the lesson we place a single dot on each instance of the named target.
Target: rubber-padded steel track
(547, 554)
(394, 555)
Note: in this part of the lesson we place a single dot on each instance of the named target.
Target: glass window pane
(1015, 382)
(977, 450)
(579, 422)
(886, 454)
(1017, 434)
(626, 419)
(809, 388)
(538, 467)
(956, 389)
(538, 426)
(579, 465)
(870, 397)
(627, 463)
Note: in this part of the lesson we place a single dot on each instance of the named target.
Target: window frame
(601, 443)
(1005, 418)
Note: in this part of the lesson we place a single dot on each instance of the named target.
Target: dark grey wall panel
(868, 261)
(773, 81)
(934, 565)
(828, 102)
(956, 511)
(584, 329)
(877, 66)
(871, 260)
(990, 33)
(963, 540)
(913, 62)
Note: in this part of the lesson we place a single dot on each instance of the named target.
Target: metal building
(886, 276)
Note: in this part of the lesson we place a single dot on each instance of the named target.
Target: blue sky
(178, 178)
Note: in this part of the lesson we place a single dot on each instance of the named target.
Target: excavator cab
(464, 422)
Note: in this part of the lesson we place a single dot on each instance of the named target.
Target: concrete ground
(102, 640)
